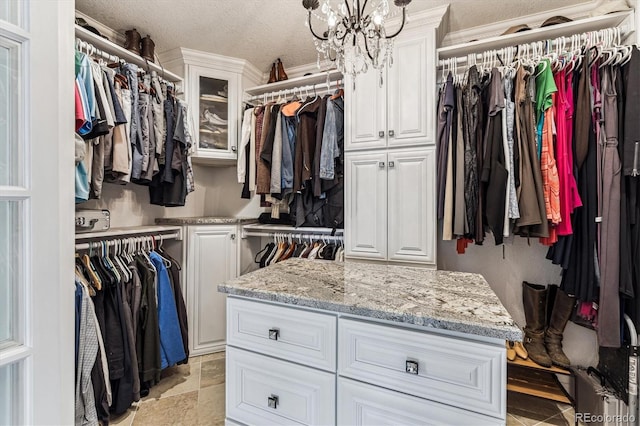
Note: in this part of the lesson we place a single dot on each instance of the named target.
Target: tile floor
(193, 394)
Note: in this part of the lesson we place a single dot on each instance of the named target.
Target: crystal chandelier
(355, 39)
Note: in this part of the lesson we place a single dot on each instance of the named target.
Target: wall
(522, 262)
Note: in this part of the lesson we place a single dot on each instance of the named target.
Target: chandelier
(355, 40)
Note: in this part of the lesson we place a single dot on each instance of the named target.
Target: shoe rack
(526, 377)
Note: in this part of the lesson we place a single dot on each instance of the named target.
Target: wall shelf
(309, 80)
(129, 57)
(266, 230)
(545, 33)
(129, 232)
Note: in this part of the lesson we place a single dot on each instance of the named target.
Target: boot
(281, 74)
(132, 42)
(562, 309)
(534, 298)
(272, 75)
(148, 48)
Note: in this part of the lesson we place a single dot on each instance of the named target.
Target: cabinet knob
(272, 401)
(391, 133)
(411, 367)
(381, 164)
(392, 164)
(232, 236)
(274, 333)
(233, 148)
(381, 133)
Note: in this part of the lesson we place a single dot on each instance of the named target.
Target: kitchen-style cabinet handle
(381, 133)
(233, 236)
(411, 367)
(274, 333)
(391, 133)
(392, 164)
(233, 148)
(272, 401)
(381, 164)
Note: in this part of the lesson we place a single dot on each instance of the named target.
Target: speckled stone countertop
(206, 220)
(455, 301)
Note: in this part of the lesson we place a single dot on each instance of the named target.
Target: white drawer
(304, 396)
(457, 372)
(304, 337)
(360, 404)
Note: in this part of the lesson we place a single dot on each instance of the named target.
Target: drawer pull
(411, 367)
(272, 401)
(274, 333)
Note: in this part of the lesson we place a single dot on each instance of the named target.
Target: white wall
(522, 262)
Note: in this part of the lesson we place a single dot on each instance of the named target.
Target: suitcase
(92, 220)
(596, 403)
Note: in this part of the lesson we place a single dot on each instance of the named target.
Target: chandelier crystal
(356, 38)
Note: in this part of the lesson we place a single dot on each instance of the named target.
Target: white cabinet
(213, 88)
(390, 205)
(211, 260)
(399, 111)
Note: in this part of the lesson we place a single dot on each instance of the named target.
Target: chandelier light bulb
(332, 20)
(377, 19)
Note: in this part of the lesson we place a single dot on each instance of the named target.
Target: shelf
(128, 232)
(127, 56)
(308, 80)
(217, 99)
(530, 364)
(537, 34)
(288, 229)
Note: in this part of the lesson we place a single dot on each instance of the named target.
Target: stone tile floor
(193, 394)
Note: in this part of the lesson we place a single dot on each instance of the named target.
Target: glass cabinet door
(213, 99)
(214, 114)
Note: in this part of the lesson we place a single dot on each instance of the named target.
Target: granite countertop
(203, 220)
(455, 301)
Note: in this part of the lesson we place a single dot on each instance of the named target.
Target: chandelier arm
(313, 32)
(346, 3)
(366, 45)
(364, 5)
(404, 19)
(359, 11)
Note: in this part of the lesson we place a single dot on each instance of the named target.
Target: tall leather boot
(534, 298)
(562, 308)
(272, 76)
(132, 41)
(281, 74)
(148, 48)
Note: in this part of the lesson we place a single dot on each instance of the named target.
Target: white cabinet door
(366, 112)
(408, 101)
(411, 205)
(366, 205)
(360, 404)
(211, 260)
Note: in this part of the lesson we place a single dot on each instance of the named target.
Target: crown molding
(206, 59)
(252, 72)
(574, 12)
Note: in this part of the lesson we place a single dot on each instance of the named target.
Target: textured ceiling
(262, 30)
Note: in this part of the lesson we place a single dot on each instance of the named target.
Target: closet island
(321, 342)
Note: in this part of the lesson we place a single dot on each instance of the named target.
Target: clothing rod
(292, 235)
(549, 45)
(284, 92)
(158, 237)
(91, 50)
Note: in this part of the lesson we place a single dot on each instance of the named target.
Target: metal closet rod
(293, 235)
(284, 92)
(548, 45)
(91, 50)
(134, 238)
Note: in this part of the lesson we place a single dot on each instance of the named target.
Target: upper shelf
(309, 80)
(129, 57)
(128, 232)
(536, 34)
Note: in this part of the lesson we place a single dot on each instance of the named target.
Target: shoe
(213, 118)
(511, 352)
(520, 350)
(132, 41)
(562, 309)
(534, 298)
(281, 74)
(148, 49)
(272, 76)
